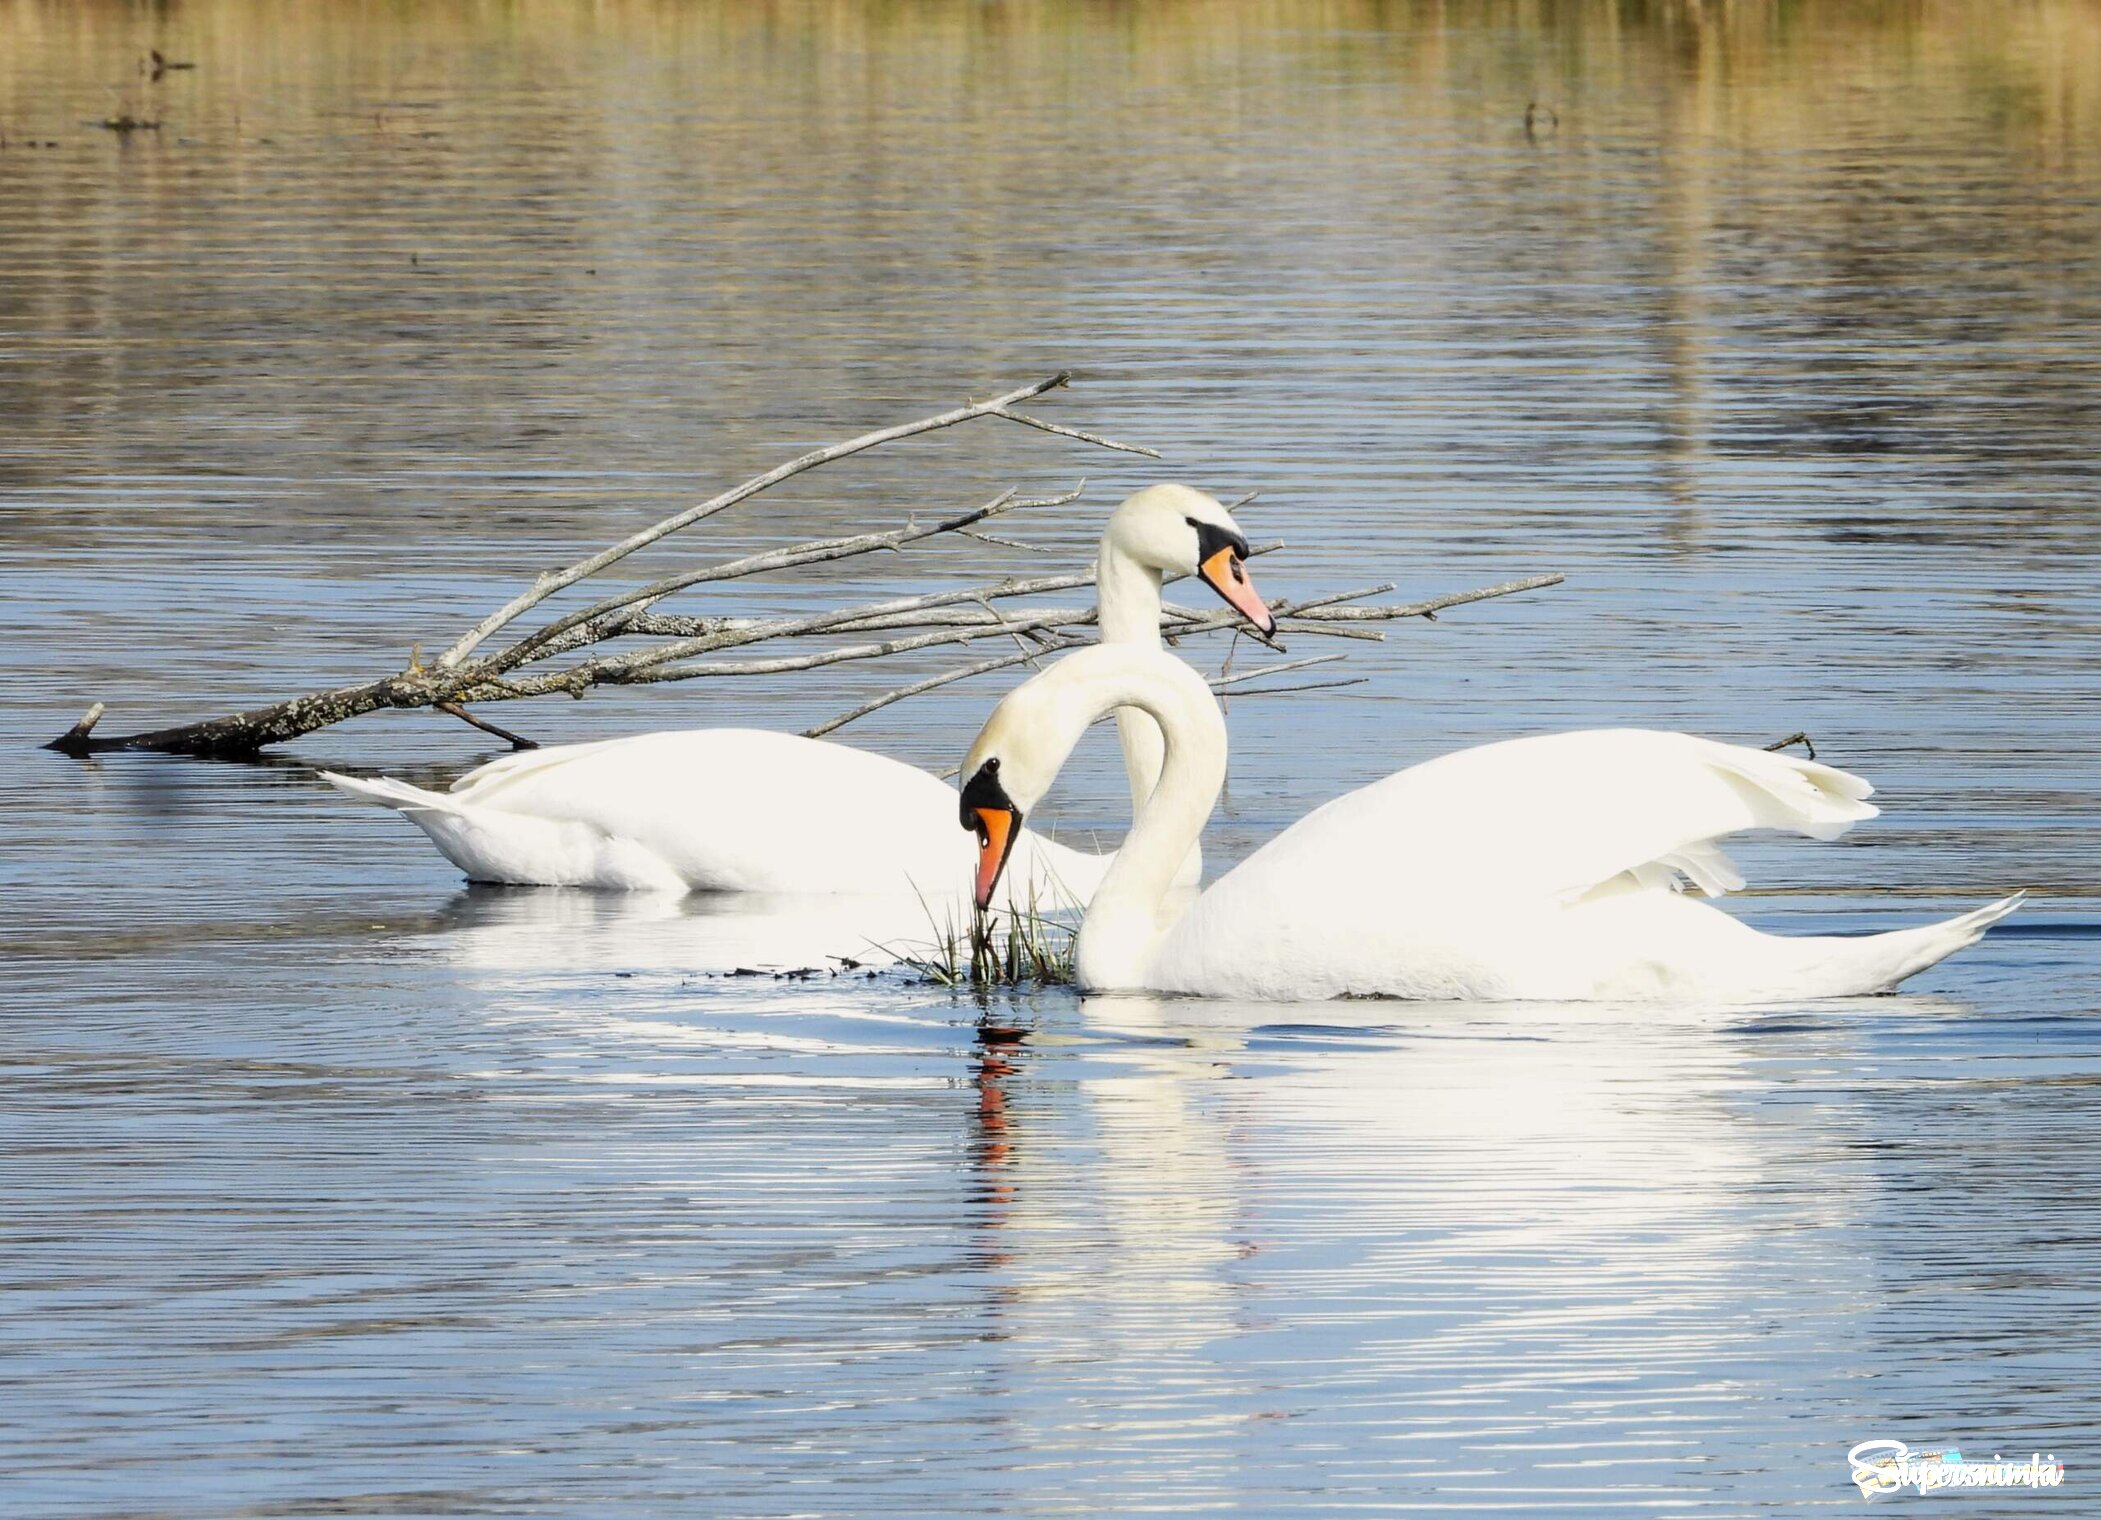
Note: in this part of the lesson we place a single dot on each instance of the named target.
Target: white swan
(1536, 868)
(745, 810)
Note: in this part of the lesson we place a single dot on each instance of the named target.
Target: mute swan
(746, 810)
(1535, 868)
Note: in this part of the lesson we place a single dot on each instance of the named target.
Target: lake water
(330, 1187)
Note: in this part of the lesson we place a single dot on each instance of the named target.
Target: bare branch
(1278, 691)
(662, 670)
(578, 633)
(555, 580)
(1307, 608)
(516, 741)
(1003, 543)
(946, 677)
(1221, 682)
(551, 639)
(1070, 432)
(1321, 611)
(1328, 630)
(657, 664)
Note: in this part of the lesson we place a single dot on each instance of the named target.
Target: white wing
(1458, 861)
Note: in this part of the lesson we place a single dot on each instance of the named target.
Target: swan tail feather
(389, 793)
(1878, 962)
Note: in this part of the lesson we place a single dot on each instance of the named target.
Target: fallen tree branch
(958, 616)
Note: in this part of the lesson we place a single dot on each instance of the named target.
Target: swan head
(1176, 530)
(994, 816)
(1010, 767)
(1017, 755)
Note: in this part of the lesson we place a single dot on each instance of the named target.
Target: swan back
(1458, 877)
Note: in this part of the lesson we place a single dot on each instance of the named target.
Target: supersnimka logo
(1888, 1467)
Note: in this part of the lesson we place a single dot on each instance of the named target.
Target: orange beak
(996, 830)
(1226, 573)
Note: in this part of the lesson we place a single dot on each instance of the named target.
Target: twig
(1308, 608)
(516, 741)
(1070, 432)
(1798, 737)
(1322, 612)
(1221, 681)
(916, 688)
(1020, 641)
(1327, 630)
(1002, 543)
(1278, 691)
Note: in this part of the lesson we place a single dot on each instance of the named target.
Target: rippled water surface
(332, 1187)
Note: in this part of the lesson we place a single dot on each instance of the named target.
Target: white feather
(678, 811)
(1540, 868)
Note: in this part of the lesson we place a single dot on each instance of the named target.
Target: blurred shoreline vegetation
(1750, 75)
(1691, 154)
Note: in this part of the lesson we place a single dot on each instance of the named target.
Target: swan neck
(1128, 595)
(1127, 918)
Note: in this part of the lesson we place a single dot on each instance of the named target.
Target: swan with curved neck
(1539, 868)
(748, 810)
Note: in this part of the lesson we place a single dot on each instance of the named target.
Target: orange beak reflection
(1226, 573)
(996, 829)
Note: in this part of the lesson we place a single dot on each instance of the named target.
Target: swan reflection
(540, 929)
(1492, 1218)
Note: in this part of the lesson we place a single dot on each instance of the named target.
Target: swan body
(744, 810)
(596, 815)
(1538, 868)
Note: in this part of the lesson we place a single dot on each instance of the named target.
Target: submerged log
(243, 735)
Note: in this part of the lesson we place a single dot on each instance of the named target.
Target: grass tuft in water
(1025, 947)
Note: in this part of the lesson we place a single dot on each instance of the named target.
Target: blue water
(330, 1186)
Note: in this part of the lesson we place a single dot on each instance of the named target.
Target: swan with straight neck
(746, 810)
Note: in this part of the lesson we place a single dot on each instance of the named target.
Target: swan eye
(982, 794)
